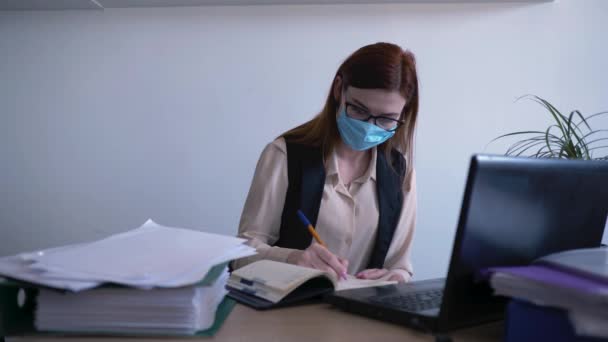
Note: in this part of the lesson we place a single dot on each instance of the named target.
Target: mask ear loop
(342, 92)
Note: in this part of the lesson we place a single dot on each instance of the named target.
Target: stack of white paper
(161, 269)
(183, 310)
(147, 257)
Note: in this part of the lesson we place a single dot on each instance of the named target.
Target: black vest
(306, 175)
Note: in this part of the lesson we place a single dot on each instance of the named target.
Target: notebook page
(277, 275)
(353, 282)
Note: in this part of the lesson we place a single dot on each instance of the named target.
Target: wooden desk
(313, 322)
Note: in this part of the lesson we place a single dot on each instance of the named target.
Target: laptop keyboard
(415, 301)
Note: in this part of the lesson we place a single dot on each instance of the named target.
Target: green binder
(17, 310)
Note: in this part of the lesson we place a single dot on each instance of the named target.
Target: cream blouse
(347, 220)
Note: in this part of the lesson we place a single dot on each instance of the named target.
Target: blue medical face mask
(360, 135)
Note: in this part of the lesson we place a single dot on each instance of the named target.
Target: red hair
(377, 66)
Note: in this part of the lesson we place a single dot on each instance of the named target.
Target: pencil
(314, 234)
(311, 229)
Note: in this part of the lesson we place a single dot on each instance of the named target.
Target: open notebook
(265, 284)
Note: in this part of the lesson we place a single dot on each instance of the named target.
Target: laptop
(514, 210)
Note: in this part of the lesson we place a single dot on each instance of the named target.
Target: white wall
(108, 118)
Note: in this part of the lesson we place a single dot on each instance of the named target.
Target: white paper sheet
(146, 257)
(17, 268)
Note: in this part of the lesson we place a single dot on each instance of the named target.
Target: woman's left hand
(377, 273)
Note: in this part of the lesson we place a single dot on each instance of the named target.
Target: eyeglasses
(355, 112)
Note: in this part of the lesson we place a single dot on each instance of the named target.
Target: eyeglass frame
(374, 117)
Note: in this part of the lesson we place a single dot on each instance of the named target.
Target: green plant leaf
(554, 112)
(588, 118)
(518, 144)
(596, 140)
(521, 152)
(521, 144)
(516, 133)
(571, 128)
(583, 120)
(595, 115)
(595, 132)
(572, 140)
(598, 147)
(547, 140)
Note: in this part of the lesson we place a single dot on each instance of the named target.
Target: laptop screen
(515, 210)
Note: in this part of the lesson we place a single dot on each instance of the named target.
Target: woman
(350, 170)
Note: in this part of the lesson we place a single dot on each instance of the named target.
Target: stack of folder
(567, 290)
(152, 280)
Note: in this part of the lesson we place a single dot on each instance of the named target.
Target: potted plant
(567, 137)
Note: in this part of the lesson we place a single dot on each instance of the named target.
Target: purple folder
(555, 276)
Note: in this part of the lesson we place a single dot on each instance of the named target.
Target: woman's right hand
(319, 257)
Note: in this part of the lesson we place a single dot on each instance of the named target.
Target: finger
(330, 259)
(306, 261)
(378, 273)
(344, 262)
(396, 277)
(375, 274)
(365, 272)
(321, 265)
(316, 263)
(296, 257)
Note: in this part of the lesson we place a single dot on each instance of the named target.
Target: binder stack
(153, 280)
(559, 297)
